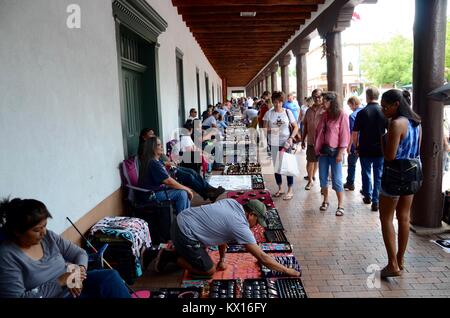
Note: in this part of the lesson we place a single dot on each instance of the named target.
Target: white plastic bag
(288, 164)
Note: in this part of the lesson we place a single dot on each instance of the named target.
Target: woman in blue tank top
(402, 141)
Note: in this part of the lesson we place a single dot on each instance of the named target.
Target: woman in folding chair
(38, 263)
(154, 176)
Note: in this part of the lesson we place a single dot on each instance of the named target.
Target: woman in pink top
(332, 139)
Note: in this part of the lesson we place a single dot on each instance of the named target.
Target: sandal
(278, 194)
(385, 273)
(324, 206)
(288, 197)
(340, 212)
(309, 186)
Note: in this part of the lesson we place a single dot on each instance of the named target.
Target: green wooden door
(132, 86)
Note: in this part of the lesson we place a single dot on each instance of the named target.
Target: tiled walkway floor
(336, 252)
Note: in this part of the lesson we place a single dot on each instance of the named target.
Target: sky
(380, 22)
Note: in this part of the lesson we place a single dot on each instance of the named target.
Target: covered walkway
(339, 255)
(79, 82)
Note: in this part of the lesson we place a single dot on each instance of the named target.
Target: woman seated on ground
(154, 176)
(38, 263)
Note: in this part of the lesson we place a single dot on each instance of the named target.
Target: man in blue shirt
(292, 106)
(355, 105)
(217, 224)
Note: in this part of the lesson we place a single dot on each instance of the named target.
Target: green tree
(447, 53)
(390, 62)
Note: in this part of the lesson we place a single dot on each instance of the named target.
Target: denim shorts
(192, 251)
(325, 162)
(386, 194)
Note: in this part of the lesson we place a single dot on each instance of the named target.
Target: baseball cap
(259, 209)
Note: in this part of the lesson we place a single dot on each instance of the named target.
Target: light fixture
(248, 14)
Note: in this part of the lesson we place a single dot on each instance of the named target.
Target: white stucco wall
(60, 126)
(179, 36)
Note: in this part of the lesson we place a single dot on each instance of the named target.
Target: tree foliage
(389, 63)
(447, 53)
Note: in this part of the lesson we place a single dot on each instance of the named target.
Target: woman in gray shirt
(37, 263)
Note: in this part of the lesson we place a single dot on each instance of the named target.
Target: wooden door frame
(140, 18)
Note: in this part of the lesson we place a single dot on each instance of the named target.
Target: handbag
(298, 137)
(402, 176)
(329, 151)
(288, 165)
(326, 150)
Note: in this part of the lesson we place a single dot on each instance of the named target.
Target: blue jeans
(279, 177)
(325, 162)
(104, 283)
(367, 163)
(352, 160)
(193, 180)
(180, 197)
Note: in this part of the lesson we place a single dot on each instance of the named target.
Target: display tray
(172, 293)
(231, 183)
(258, 182)
(284, 247)
(273, 288)
(289, 261)
(226, 288)
(242, 169)
(245, 196)
(273, 220)
(259, 288)
(275, 236)
(288, 287)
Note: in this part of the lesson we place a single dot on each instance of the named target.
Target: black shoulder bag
(402, 176)
(326, 150)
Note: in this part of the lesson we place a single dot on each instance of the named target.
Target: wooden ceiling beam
(244, 25)
(260, 35)
(238, 31)
(195, 3)
(238, 9)
(191, 18)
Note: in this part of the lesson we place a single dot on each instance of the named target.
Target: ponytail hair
(20, 215)
(404, 109)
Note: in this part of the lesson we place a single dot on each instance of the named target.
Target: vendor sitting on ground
(219, 223)
(186, 176)
(37, 263)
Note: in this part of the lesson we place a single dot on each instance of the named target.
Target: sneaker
(213, 195)
(350, 187)
(375, 207)
(164, 257)
(367, 200)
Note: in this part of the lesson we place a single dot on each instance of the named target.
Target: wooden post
(429, 61)
(284, 64)
(335, 75)
(300, 50)
(274, 77)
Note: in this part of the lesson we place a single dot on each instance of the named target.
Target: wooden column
(300, 50)
(268, 86)
(274, 77)
(429, 61)
(284, 64)
(335, 75)
(224, 90)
